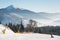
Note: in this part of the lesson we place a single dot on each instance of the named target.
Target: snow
(8, 31)
(10, 35)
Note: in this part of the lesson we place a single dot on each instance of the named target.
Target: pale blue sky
(51, 6)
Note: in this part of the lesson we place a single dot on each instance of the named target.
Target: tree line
(32, 27)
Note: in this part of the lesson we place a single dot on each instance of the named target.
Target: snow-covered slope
(8, 31)
(25, 36)
(33, 36)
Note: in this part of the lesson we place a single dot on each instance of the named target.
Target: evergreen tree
(21, 27)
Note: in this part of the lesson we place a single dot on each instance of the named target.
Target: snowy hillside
(8, 31)
(24, 36)
(27, 37)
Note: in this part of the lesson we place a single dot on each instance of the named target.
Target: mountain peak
(10, 7)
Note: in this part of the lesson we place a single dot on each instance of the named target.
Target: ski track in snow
(10, 35)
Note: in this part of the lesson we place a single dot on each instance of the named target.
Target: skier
(52, 35)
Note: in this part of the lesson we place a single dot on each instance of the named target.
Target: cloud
(17, 15)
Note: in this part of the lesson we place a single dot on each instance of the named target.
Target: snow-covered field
(10, 35)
